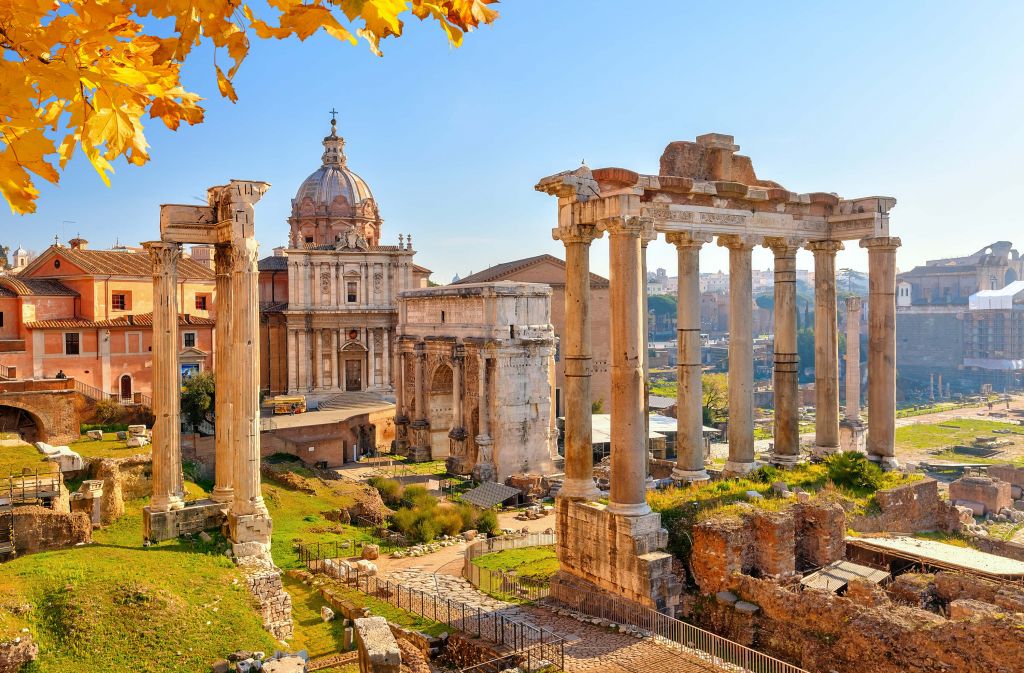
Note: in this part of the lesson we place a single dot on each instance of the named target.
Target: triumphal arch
(227, 223)
(704, 191)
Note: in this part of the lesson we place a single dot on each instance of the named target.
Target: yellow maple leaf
(226, 88)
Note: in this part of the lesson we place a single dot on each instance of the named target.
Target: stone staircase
(342, 401)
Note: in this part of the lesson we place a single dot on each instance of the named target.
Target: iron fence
(313, 554)
(502, 583)
(718, 650)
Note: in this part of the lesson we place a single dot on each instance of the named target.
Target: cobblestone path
(589, 648)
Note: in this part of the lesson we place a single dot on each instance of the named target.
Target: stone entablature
(462, 344)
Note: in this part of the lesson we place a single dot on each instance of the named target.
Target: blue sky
(917, 100)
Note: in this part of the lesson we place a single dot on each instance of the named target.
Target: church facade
(328, 300)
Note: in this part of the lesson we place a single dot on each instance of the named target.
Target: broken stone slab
(326, 614)
(137, 430)
(977, 509)
(204, 536)
(371, 551)
(727, 597)
(122, 435)
(754, 495)
(286, 664)
(98, 435)
(743, 607)
(136, 442)
(780, 487)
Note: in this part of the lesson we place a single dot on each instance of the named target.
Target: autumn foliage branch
(83, 73)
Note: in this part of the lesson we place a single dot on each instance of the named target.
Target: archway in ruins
(23, 423)
(440, 411)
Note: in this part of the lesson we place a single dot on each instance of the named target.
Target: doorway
(353, 375)
(126, 388)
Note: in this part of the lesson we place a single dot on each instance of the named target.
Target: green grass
(115, 606)
(382, 608)
(14, 458)
(108, 447)
(312, 634)
(961, 431)
(531, 563)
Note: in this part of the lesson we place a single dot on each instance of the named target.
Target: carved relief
(378, 282)
(325, 282)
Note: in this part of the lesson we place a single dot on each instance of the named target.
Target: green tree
(714, 397)
(197, 397)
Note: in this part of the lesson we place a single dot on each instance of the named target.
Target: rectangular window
(201, 302)
(71, 342)
(352, 291)
(133, 342)
(189, 339)
(1, 318)
(118, 303)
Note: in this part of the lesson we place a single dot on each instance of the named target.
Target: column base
(734, 468)
(887, 463)
(484, 472)
(825, 450)
(690, 476)
(249, 533)
(168, 524)
(222, 495)
(169, 504)
(853, 436)
(580, 489)
(629, 509)
(785, 460)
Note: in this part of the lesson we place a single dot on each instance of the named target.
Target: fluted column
(785, 383)
(293, 360)
(628, 433)
(577, 355)
(853, 312)
(882, 349)
(318, 358)
(741, 354)
(689, 398)
(168, 483)
(826, 347)
(484, 470)
(457, 433)
(371, 366)
(335, 344)
(249, 520)
(224, 461)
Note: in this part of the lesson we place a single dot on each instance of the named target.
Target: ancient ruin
(704, 190)
(475, 378)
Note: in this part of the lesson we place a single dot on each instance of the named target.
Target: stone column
(785, 383)
(224, 461)
(853, 310)
(826, 347)
(457, 434)
(248, 521)
(628, 434)
(882, 349)
(689, 400)
(168, 483)
(401, 411)
(931, 386)
(371, 373)
(484, 470)
(293, 361)
(386, 357)
(335, 345)
(420, 425)
(741, 354)
(577, 354)
(318, 358)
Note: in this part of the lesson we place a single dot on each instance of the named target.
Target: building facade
(88, 314)
(328, 301)
(475, 378)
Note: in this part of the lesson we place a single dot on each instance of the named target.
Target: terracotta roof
(120, 263)
(134, 320)
(4, 292)
(421, 269)
(273, 263)
(39, 287)
(503, 271)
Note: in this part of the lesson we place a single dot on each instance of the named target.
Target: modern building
(328, 301)
(88, 314)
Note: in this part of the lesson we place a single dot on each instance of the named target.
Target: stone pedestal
(853, 435)
(599, 550)
(193, 518)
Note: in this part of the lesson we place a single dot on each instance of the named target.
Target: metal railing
(502, 583)
(94, 393)
(719, 650)
(30, 487)
(313, 554)
(522, 638)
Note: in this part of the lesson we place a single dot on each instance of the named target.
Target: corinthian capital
(824, 247)
(244, 255)
(739, 241)
(620, 225)
(881, 243)
(576, 233)
(684, 240)
(164, 256)
(784, 247)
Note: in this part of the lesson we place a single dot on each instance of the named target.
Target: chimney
(79, 244)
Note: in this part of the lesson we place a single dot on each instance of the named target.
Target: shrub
(109, 411)
(487, 522)
(448, 521)
(415, 495)
(389, 489)
(468, 516)
(424, 530)
(853, 470)
(766, 474)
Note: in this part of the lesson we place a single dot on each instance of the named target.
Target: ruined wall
(275, 604)
(123, 479)
(41, 529)
(909, 509)
(820, 631)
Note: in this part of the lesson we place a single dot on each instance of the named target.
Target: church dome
(333, 178)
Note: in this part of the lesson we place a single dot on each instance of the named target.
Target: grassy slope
(14, 458)
(533, 562)
(952, 432)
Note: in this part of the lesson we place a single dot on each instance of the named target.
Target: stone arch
(440, 410)
(20, 419)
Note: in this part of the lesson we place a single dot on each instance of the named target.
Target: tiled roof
(121, 263)
(4, 292)
(421, 269)
(38, 287)
(133, 320)
(273, 263)
(503, 271)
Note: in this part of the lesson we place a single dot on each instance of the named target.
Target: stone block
(366, 567)
(993, 494)
(743, 607)
(122, 435)
(326, 614)
(220, 666)
(136, 442)
(975, 508)
(378, 649)
(194, 518)
(292, 664)
(371, 552)
(726, 597)
(137, 430)
(968, 608)
(95, 434)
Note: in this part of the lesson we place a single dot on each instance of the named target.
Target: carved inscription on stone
(664, 213)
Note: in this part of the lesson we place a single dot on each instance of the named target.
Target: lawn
(960, 431)
(115, 606)
(15, 457)
(533, 563)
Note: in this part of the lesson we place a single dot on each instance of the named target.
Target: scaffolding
(31, 487)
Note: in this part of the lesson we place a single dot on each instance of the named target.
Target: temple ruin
(704, 190)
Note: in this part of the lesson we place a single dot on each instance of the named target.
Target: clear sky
(917, 100)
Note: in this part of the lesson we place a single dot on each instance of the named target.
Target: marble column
(420, 425)
(785, 377)
(168, 483)
(318, 359)
(457, 462)
(248, 520)
(628, 495)
(386, 357)
(741, 354)
(882, 349)
(826, 347)
(224, 461)
(335, 345)
(293, 361)
(484, 470)
(371, 366)
(689, 400)
(853, 312)
(577, 354)
(401, 410)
